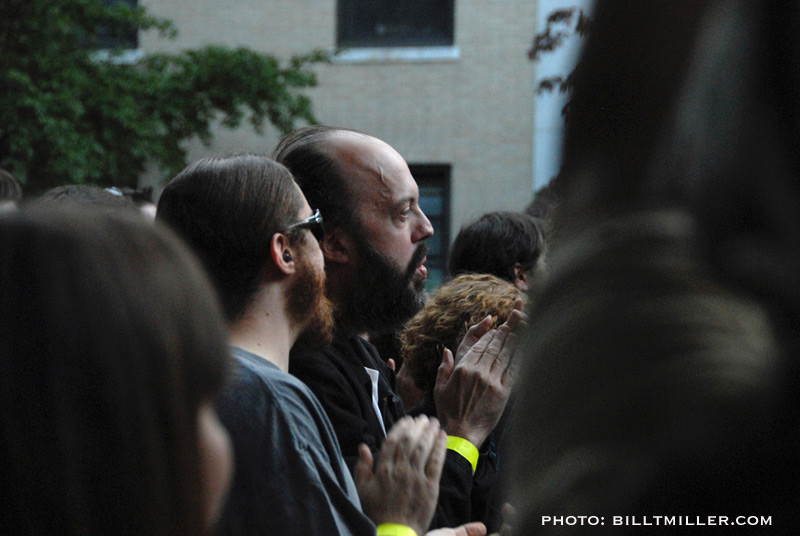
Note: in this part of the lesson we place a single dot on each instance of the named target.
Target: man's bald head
(320, 159)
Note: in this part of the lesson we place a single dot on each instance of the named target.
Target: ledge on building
(397, 54)
(121, 57)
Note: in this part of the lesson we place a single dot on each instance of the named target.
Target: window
(393, 23)
(434, 199)
(109, 38)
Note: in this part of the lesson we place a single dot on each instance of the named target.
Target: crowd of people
(204, 363)
(325, 449)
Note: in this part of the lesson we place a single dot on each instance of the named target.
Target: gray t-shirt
(290, 476)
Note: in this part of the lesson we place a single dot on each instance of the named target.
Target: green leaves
(68, 116)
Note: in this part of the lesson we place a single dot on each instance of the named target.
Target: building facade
(447, 83)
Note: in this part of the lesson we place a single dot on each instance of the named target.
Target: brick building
(447, 83)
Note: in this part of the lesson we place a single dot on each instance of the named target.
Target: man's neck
(265, 330)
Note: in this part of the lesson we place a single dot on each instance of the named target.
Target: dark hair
(493, 243)
(10, 188)
(111, 339)
(140, 196)
(319, 175)
(228, 209)
(87, 196)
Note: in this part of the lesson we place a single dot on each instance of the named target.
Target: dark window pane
(434, 199)
(431, 201)
(113, 38)
(386, 23)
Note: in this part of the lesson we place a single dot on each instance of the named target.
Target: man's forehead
(370, 164)
(356, 151)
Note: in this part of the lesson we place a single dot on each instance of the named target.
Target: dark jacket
(337, 377)
(488, 493)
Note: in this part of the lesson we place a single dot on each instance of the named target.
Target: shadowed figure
(112, 348)
(661, 378)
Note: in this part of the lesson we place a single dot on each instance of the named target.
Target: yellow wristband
(393, 529)
(465, 448)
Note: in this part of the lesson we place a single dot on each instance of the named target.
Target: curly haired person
(442, 323)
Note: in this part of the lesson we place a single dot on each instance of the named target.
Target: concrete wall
(472, 109)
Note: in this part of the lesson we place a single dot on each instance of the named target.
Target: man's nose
(424, 228)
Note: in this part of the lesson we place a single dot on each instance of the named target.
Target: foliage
(560, 25)
(69, 114)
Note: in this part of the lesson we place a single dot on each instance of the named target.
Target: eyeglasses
(313, 223)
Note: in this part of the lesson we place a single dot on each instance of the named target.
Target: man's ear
(337, 246)
(282, 253)
(520, 277)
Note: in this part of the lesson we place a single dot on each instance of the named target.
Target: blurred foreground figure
(10, 191)
(662, 377)
(111, 349)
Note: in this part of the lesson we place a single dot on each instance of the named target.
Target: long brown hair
(110, 339)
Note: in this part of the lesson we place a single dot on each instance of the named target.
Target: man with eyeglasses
(258, 238)
(374, 248)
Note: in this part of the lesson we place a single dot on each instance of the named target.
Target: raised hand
(403, 487)
(472, 391)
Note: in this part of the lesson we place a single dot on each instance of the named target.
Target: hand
(470, 529)
(404, 486)
(480, 329)
(472, 394)
(509, 514)
(410, 394)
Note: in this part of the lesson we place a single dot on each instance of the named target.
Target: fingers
(420, 448)
(512, 363)
(397, 446)
(479, 330)
(471, 529)
(418, 443)
(476, 353)
(502, 350)
(494, 350)
(363, 470)
(391, 364)
(389, 448)
(509, 514)
(446, 368)
(433, 469)
(474, 334)
(516, 318)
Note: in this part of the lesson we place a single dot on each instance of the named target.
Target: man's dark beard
(383, 298)
(309, 305)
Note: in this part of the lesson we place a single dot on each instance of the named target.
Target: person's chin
(417, 282)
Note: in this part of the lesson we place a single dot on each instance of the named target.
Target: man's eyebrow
(405, 201)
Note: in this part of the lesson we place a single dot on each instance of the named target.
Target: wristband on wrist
(395, 529)
(465, 448)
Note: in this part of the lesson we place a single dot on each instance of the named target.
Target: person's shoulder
(261, 392)
(273, 381)
(252, 373)
(258, 386)
(330, 361)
